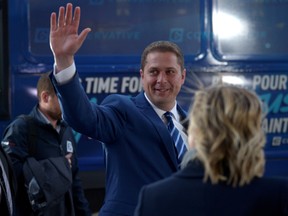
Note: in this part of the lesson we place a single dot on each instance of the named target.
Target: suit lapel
(159, 127)
(183, 118)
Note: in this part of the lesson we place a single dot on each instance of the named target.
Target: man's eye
(170, 71)
(153, 72)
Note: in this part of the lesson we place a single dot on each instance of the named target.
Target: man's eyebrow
(153, 68)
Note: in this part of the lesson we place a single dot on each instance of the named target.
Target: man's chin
(161, 94)
(160, 100)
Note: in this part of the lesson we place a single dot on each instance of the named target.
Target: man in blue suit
(138, 145)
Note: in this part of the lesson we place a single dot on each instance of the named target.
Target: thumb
(83, 35)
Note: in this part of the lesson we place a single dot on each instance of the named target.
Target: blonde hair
(225, 130)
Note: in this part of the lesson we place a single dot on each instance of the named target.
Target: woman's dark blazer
(184, 193)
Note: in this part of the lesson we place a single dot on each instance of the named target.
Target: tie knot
(168, 115)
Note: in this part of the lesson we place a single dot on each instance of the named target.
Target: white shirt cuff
(65, 75)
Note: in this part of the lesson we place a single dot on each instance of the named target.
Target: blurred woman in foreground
(222, 173)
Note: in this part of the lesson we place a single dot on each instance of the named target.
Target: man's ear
(44, 96)
(141, 73)
(183, 75)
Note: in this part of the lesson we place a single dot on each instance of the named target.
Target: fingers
(53, 22)
(64, 37)
(68, 156)
(68, 15)
(77, 14)
(76, 21)
(61, 20)
(65, 17)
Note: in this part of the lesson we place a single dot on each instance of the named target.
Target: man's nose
(162, 77)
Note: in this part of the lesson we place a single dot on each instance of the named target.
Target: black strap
(4, 203)
(35, 181)
(8, 169)
(7, 164)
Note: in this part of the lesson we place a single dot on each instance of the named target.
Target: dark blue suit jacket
(184, 193)
(139, 148)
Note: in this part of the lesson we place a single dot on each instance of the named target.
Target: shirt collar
(43, 116)
(161, 112)
(58, 127)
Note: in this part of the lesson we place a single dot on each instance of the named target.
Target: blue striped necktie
(175, 134)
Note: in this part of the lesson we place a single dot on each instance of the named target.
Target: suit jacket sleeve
(87, 117)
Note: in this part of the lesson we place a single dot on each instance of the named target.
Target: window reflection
(227, 26)
(250, 29)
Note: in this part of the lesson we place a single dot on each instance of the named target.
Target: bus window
(4, 73)
(250, 29)
(122, 28)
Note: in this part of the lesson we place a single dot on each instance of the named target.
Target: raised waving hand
(64, 38)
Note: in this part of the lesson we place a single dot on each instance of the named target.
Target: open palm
(64, 38)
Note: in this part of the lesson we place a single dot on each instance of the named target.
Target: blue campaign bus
(237, 42)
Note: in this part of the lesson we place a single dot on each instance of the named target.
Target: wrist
(63, 63)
